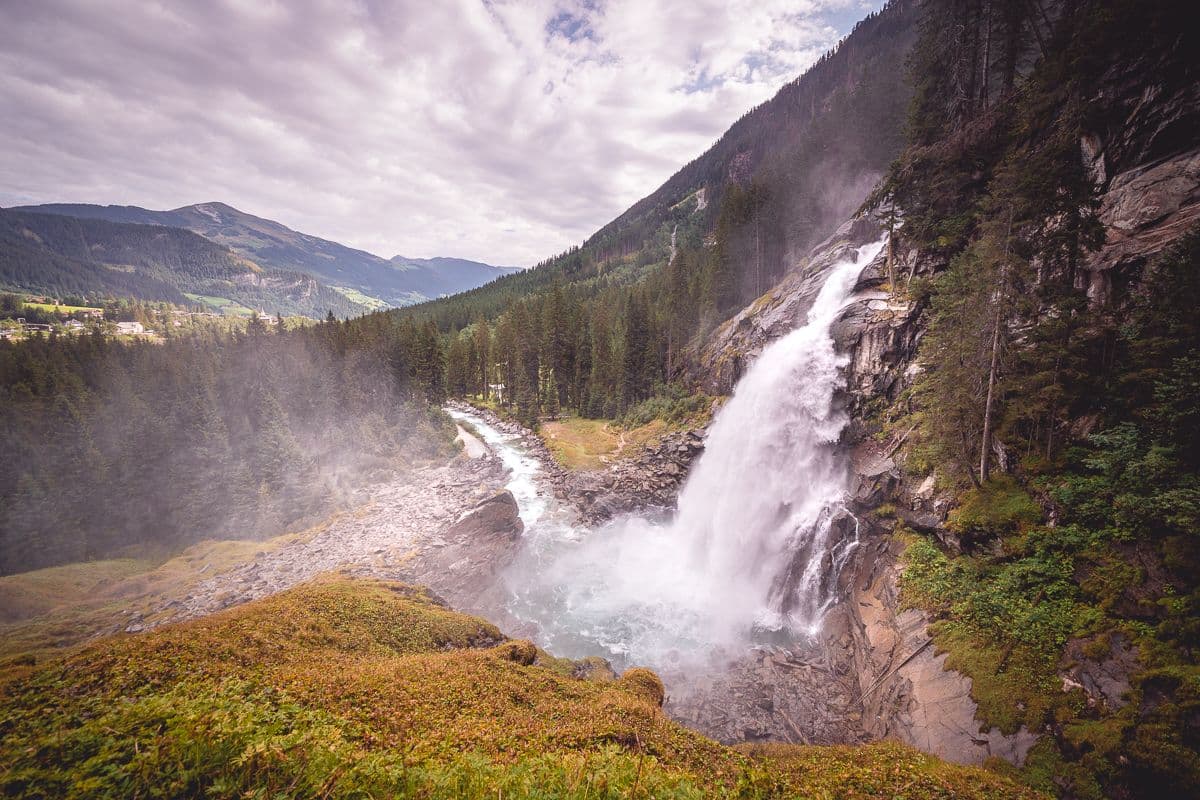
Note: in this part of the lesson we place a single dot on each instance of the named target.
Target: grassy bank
(358, 688)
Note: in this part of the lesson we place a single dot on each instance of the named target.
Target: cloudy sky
(487, 129)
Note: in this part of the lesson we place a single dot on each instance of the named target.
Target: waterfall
(758, 537)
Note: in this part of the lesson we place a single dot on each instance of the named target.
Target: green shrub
(996, 509)
(671, 403)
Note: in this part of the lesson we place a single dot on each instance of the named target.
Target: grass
(31, 594)
(583, 444)
(46, 611)
(884, 769)
(222, 304)
(365, 300)
(361, 688)
(50, 307)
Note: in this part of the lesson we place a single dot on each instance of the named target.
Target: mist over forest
(129, 449)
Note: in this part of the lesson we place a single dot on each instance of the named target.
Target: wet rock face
(1100, 669)
(905, 691)
(739, 340)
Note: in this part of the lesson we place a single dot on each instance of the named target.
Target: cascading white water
(752, 547)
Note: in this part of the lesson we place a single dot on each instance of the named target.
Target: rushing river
(750, 555)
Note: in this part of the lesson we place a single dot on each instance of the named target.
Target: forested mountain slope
(269, 244)
(60, 255)
(605, 323)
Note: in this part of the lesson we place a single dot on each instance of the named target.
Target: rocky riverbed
(400, 531)
(647, 479)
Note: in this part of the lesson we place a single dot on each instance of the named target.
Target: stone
(495, 515)
(1104, 677)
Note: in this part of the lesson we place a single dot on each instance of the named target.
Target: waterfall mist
(751, 553)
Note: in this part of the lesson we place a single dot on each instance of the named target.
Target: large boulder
(495, 516)
(465, 561)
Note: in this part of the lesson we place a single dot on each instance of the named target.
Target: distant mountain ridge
(364, 278)
(60, 255)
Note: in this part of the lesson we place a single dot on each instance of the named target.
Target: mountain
(363, 277)
(61, 255)
(785, 174)
(438, 277)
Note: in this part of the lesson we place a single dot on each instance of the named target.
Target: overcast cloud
(493, 130)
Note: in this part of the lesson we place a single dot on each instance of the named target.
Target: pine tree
(482, 338)
(458, 371)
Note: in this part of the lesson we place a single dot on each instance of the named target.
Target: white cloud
(502, 131)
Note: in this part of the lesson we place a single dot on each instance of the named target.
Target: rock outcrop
(736, 343)
(905, 690)
(1144, 211)
(646, 481)
(465, 560)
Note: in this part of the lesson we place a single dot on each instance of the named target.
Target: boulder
(1101, 668)
(497, 515)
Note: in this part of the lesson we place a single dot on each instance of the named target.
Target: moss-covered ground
(1006, 612)
(583, 444)
(360, 688)
(43, 612)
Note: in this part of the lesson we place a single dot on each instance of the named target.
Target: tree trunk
(987, 57)
(986, 439)
(891, 267)
(757, 255)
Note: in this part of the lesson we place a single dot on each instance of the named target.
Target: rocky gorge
(874, 671)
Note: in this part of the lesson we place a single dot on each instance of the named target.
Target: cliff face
(1141, 156)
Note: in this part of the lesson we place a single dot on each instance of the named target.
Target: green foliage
(997, 508)
(671, 403)
(1003, 623)
(1122, 559)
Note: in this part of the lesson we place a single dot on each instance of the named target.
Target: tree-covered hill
(61, 255)
(114, 447)
(397, 282)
